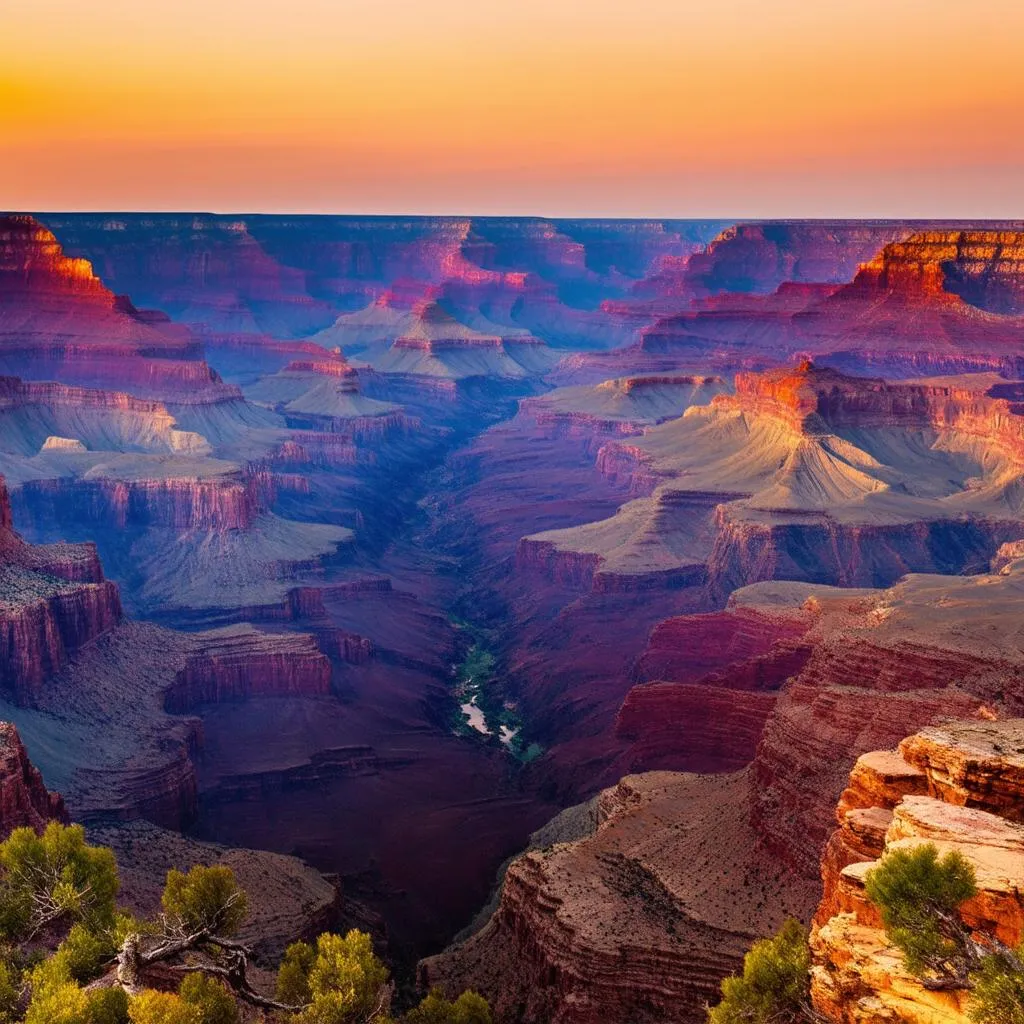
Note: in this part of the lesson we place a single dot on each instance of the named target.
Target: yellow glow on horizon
(549, 106)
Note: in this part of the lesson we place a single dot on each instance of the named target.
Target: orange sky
(573, 107)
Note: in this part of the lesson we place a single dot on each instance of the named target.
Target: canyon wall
(959, 786)
(24, 798)
(54, 601)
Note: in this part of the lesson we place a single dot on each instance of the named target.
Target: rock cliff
(631, 923)
(54, 601)
(58, 320)
(806, 473)
(24, 798)
(958, 786)
(236, 663)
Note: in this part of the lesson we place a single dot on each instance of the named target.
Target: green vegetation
(477, 684)
(469, 1008)
(920, 895)
(998, 996)
(774, 987)
(68, 955)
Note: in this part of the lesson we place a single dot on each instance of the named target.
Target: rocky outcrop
(24, 798)
(53, 601)
(58, 320)
(621, 406)
(324, 396)
(749, 548)
(345, 646)
(288, 900)
(226, 499)
(814, 400)
(237, 663)
(758, 257)
(45, 416)
(275, 273)
(431, 342)
(807, 473)
(203, 269)
(882, 662)
(626, 924)
(42, 621)
(31, 259)
(984, 268)
(708, 684)
(959, 787)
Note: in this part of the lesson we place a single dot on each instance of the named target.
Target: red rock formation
(710, 685)
(909, 307)
(227, 501)
(24, 798)
(57, 319)
(325, 396)
(942, 300)
(42, 621)
(627, 922)
(883, 662)
(817, 399)
(54, 600)
(983, 267)
(872, 662)
(203, 269)
(235, 665)
(288, 900)
(938, 789)
(758, 257)
(348, 647)
(799, 474)
(623, 406)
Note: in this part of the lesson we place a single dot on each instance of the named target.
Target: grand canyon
(534, 595)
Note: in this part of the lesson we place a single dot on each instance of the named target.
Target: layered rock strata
(806, 473)
(630, 923)
(53, 601)
(957, 786)
(24, 799)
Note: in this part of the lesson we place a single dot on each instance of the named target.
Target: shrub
(293, 974)
(774, 986)
(998, 996)
(162, 1008)
(347, 982)
(10, 988)
(54, 877)
(206, 899)
(469, 1008)
(211, 997)
(108, 1006)
(919, 896)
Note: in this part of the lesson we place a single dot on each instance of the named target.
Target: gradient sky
(572, 107)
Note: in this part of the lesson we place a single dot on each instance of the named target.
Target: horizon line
(389, 215)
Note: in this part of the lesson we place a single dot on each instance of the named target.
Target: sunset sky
(572, 107)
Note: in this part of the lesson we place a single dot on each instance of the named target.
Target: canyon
(689, 515)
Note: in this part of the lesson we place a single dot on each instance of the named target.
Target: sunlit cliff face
(567, 107)
(30, 253)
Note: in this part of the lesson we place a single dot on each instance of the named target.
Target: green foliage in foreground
(774, 986)
(998, 996)
(68, 955)
(469, 1008)
(919, 896)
